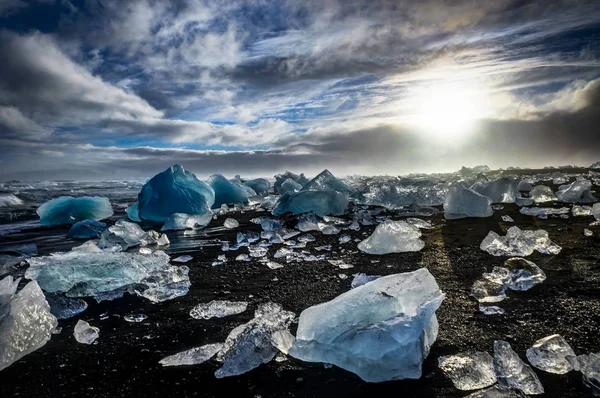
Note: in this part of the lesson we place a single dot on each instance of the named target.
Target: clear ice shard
(543, 212)
(128, 234)
(69, 210)
(322, 203)
(502, 190)
(542, 194)
(362, 279)
(520, 274)
(512, 372)
(519, 243)
(577, 192)
(86, 229)
(393, 237)
(486, 291)
(281, 178)
(183, 259)
(218, 309)
(590, 372)
(491, 309)
(250, 345)
(26, 323)
(194, 356)
(175, 190)
(228, 192)
(553, 354)
(65, 307)
(497, 391)
(470, 370)
(381, 330)
(231, 223)
(88, 274)
(259, 185)
(179, 221)
(84, 333)
(521, 201)
(462, 202)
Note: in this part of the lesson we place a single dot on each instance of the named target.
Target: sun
(448, 110)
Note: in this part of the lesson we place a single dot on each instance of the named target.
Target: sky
(105, 89)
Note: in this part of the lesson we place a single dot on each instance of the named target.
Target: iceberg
(87, 274)
(462, 202)
(325, 181)
(69, 210)
(512, 372)
(521, 201)
(553, 354)
(194, 356)
(259, 185)
(179, 221)
(381, 331)
(502, 190)
(251, 344)
(322, 203)
(577, 192)
(218, 309)
(26, 323)
(280, 178)
(519, 243)
(227, 192)
(542, 194)
(175, 190)
(133, 212)
(289, 185)
(84, 333)
(86, 229)
(393, 237)
(469, 371)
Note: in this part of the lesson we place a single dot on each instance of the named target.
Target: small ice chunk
(344, 239)
(542, 194)
(307, 222)
(274, 265)
(491, 309)
(218, 309)
(469, 371)
(244, 239)
(242, 257)
(519, 243)
(65, 307)
(507, 219)
(587, 232)
(69, 210)
(194, 356)
(231, 223)
(125, 234)
(462, 202)
(520, 201)
(512, 372)
(596, 211)
(135, 318)
(86, 229)
(581, 210)
(576, 192)
(257, 251)
(180, 221)
(524, 186)
(306, 238)
(182, 259)
(341, 264)
(328, 229)
(84, 333)
(145, 250)
(543, 212)
(361, 279)
(421, 224)
(320, 202)
(590, 372)
(553, 354)
(486, 291)
(270, 224)
(393, 237)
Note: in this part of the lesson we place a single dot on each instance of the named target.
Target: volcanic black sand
(124, 360)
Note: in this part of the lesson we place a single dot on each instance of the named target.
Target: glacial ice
(175, 190)
(553, 354)
(590, 372)
(543, 212)
(577, 192)
(179, 221)
(280, 179)
(307, 222)
(362, 279)
(579, 211)
(462, 202)
(127, 234)
(502, 190)
(381, 330)
(587, 232)
(393, 237)
(490, 309)
(521, 201)
(519, 243)
(320, 202)
(469, 371)
(524, 186)
(69, 210)
(227, 192)
(259, 185)
(65, 307)
(512, 372)
(87, 274)
(218, 309)
(289, 185)
(133, 212)
(520, 274)
(86, 229)
(542, 194)
(84, 333)
(325, 181)
(231, 223)
(250, 345)
(26, 323)
(194, 356)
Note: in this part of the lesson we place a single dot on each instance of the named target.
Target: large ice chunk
(542, 194)
(69, 210)
(179, 221)
(289, 185)
(381, 330)
(553, 354)
(502, 190)
(280, 178)
(577, 192)
(462, 202)
(519, 243)
(86, 229)
(227, 192)
(175, 190)
(250, 344)
(393, 237)
(322, 203)
(469, 371)
(512, 372)
(26, 323)
(194, 356)
(86, 274)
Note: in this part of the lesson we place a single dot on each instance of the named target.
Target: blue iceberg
(322, 203)
(86, 229)
(175, 190)
(259, 185)
(69, 210)
(289, 185)
(133, 212)
(280, 178)
(227, 192)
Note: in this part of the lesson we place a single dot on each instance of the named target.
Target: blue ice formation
(69, 210)
(133, 212)
(326, 181)
(322, 203)
(228, 192)
(280, 178)
(259, 185)
(86, 229)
